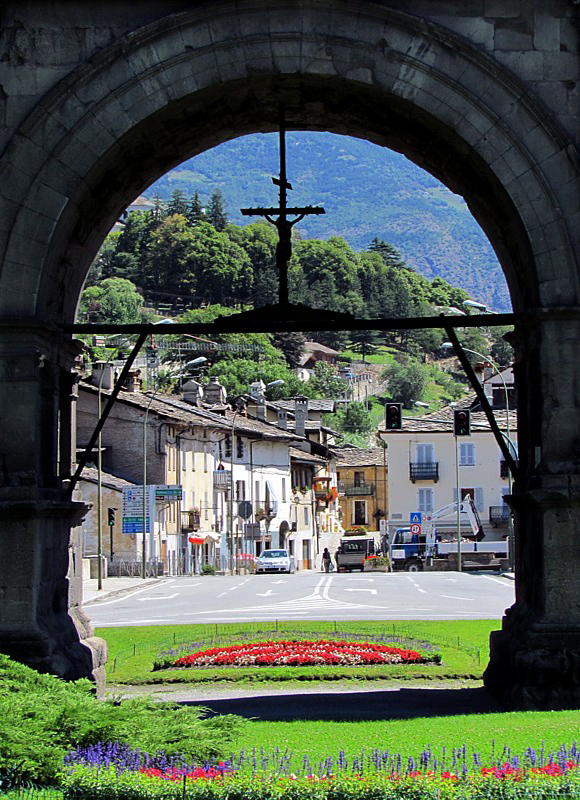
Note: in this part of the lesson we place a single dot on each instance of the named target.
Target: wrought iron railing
(419, 471)
(499, 515)
(355, 489)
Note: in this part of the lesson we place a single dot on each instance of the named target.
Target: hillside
(366, 190)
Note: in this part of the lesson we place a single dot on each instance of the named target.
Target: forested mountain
(367, 192)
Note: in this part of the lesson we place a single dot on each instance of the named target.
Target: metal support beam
(85, 455)
(481, 396)
(273, 320)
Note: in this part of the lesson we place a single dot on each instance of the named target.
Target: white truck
(412, 551)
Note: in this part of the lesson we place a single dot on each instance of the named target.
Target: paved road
(308, 595)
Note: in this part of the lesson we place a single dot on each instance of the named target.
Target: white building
(429, 466)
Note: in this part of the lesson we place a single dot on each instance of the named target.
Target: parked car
(275, 561)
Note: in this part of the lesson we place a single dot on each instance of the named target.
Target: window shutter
(425, 454)
(467, 454)
(479, 499)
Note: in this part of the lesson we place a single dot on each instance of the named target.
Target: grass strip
(464, 645)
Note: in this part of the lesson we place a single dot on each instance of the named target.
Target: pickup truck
(353, 550)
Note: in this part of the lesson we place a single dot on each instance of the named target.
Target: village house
(362, 476)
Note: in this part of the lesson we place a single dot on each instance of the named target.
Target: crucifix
(279, 217)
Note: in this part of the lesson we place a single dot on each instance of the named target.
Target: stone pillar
(39, 578)
(535, 658)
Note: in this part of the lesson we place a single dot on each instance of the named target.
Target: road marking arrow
(265, 594)
(163, 597)
(372, 591)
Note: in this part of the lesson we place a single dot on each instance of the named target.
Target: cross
(282, 223)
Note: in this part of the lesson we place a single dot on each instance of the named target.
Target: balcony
(266, 510)
(356, 489)
(419, 471)
(222, 480)
(190, 521)
(499, 515)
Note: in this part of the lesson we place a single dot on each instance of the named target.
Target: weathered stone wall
(98, 99)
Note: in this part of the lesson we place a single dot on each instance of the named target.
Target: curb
(125, 590)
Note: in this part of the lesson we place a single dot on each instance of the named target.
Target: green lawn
(479, 732)
(463, 645)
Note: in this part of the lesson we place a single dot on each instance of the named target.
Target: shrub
(42, 718)
(207, 569)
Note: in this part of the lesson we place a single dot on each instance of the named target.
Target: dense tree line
(187, 253)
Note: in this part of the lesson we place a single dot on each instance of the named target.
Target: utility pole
(282, 223)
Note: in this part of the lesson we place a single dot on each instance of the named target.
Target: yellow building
(362, 485)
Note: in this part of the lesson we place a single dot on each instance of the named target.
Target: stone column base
(535, 666)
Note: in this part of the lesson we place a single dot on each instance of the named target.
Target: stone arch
(199, 78)
(194, 79)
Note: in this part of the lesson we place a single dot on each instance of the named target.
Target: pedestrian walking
(326, 559)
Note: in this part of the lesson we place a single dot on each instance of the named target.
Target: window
(205, 506)
(283, 490)
(425, 500)
(305, 516)
(467, 454)
(476, 495)
(360, 512)
(240, 491)
(257, 493)
(359, 478)
(205, 458)
(425, 454)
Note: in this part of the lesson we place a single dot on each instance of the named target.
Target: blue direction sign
(415, 518)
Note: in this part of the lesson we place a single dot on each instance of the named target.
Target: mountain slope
(366, 190)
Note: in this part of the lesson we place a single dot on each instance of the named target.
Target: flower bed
(301, 653)
(115, 772)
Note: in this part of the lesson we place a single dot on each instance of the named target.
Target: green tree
(177, 204)
(406, 382)
(389, 254)
(365, 342)
(170, 257)
(216, 214)
(219, 270)
(194, 211)
(501, 349)
(326, 382)
(115, 300)
(292, 345)
(356, 419)
(259, 240)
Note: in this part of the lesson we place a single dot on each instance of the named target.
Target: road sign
(415, 529)
(168, 492)
(244, 509)
(415, 517)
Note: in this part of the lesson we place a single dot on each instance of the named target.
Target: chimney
(257, 389)
(214, 393)
(261, 408)
(102, 375)
(132, 381)
(283, 419)
(192, 392)
(300, 414)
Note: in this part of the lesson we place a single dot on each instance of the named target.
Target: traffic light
(111, 516)
(461, 423)
(393, 417)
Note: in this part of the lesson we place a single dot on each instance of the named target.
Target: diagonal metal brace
(85, 455)
(482, 397)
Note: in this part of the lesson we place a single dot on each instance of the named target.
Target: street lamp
(475, 305)
(507, 436)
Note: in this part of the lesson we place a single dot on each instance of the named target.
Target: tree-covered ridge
(191, 261)
(366, 190)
